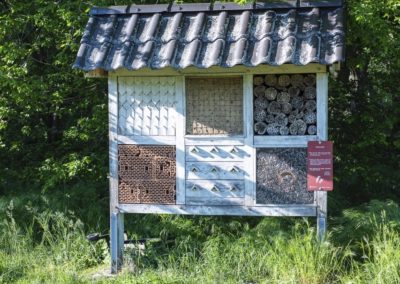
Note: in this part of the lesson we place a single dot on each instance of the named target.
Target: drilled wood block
(146, 174)
(214, 106)
(281, 176)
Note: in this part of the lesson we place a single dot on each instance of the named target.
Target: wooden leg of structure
(321, 214)
(117, 241)
(321, 225)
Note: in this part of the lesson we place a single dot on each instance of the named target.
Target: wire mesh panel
(281, 176)
(285, 104)
(147, 174)
(214, 106)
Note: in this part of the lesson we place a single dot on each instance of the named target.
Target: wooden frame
(250, 141)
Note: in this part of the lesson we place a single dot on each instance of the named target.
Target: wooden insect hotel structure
(211, 106)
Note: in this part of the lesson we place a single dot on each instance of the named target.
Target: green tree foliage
(365, 103)
(53, 121)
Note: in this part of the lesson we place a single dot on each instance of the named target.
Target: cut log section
(261, 103)
(284, 81)
(310, 93)
(271, 93)
(283, 97)
(310, 80)
(297, 80)
(260, 115)
(258, 80)
(260, 127)
(259, 91)
(270, 80)
(312, 130)
(310, 117)
(273, 129)
(281, 119)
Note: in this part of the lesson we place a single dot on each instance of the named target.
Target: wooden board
(287, 210)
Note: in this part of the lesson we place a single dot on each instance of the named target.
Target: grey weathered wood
(302, 210)
(224, 201)
(216, 70)
(215, 170)
(116, 252)
(204, 189)
(283, 141)
(223, 153)
(249, 131)
(322, 131)
(207, 140)
(147, 140)
(180, 141)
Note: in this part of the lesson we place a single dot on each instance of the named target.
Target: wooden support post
(116, 218)
(322, 131)
(117, 241)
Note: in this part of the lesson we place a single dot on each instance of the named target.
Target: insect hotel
(211, 106)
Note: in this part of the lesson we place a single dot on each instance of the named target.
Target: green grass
(43, 245)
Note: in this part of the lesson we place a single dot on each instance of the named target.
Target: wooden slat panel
(216, 153)
(215, 170)
(204, 189)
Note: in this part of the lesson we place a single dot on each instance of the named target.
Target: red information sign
(320, 165)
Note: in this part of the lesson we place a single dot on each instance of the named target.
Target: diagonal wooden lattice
(146, 174)
(214, 106)
(147, 106)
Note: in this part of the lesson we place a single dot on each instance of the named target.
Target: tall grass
(50, 247)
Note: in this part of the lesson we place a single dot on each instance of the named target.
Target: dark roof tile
(179, 36)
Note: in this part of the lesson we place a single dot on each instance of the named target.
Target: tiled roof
(204, 35)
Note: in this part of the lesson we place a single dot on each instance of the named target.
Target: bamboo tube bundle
(310, 93)
(271, 80)
(310, 117)
(271, 93)
(286, 108)
(310, 80)
(311, 105)
(281, 119)
(312, 130)
(283, 81)
(260, 114)
(270, 118)
(283, 97)
(259, 91)
(258, 80)
(260, 127)
(261, 103)
(273, 129)
(274, 108)
(284, 130)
